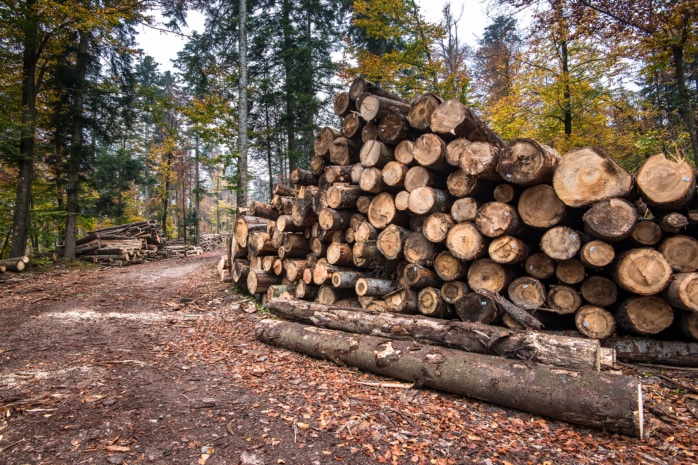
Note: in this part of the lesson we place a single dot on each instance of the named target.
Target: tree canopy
(97, 132)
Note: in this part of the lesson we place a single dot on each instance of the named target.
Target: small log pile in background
(209, 242)
(421, 208)
(126, 244)
(15, 264)
(178, 249)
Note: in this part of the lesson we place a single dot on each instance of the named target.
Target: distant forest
(96, 134)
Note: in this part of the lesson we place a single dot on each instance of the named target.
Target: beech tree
(666, 33)
(561, 92)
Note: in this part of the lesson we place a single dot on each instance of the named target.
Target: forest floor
(158, 363)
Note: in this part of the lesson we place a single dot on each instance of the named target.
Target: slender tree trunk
(288, 87)
(685, 106)
(242, 138)
(267, 140)
(218, 202)
(20, 228)
(567, 97)
(166, 194)
(197, 192)
(184, 210)
(6, 242)
(76, 146)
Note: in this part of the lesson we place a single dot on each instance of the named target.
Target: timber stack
(209, 242)
(179, 249)
(122, 245)
(420, 208)
(14, 264)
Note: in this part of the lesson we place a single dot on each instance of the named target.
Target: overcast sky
(164, 46)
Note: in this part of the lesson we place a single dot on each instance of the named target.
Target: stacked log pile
(179, 249)
(14, 264)
(126, 244)
(422, 209)
(209, 242)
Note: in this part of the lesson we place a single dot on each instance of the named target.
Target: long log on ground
(540, 347)
(598, 400)
(644, 350)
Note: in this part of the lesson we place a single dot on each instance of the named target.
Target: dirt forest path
(158, 364)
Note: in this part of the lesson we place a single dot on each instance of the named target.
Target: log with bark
(589, 175)
(393, 127)
(610, 220)
(526, 162)
(610, 402)
(375, 107)
(452, 119)
(540, 207)
(361, 85)
(421, 110)
(16, 264)
(447, 214)
(644, 350)
(681, 252)
(540, 347)
(666, 185)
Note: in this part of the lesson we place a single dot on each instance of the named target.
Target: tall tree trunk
(197, 192)
(267, 142)
(567, 97)
(242, 138)
(166, 194)
(289, 96)
(20, 227)
(184, 208)
(76, 146)
(685, 106)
